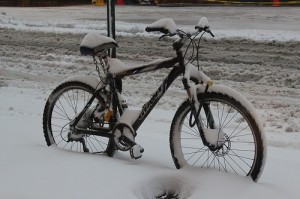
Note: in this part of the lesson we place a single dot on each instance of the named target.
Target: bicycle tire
(62, 106)
(245, 152)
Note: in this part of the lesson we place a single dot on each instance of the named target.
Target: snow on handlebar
(168, 27)
(203, 25)
(165, 26)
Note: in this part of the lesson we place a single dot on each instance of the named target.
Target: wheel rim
(67, 104)
(238, 153)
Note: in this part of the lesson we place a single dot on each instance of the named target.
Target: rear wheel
(242, 152)
(63, 105)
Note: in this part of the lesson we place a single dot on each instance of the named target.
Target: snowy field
(256, 51)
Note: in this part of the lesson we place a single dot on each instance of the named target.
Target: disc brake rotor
(224, 149)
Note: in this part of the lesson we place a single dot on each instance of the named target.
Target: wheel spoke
(238, 165)
(240, 131)
(197, 136)
(194, 153)
(62, 110)
(208, 156)
(239, 157)
(236, 128)
(223, 126)
(69, 101)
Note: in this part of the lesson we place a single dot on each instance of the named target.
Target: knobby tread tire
(184, 110)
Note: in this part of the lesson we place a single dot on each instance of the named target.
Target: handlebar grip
(211, 33)
(163, 30)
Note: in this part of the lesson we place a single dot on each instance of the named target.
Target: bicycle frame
(174, 73)
(178, 68)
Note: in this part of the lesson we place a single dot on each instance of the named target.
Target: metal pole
(111, 23)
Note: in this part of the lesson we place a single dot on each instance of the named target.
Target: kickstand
(85, 149)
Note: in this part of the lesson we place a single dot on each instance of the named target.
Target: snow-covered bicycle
(215, 127)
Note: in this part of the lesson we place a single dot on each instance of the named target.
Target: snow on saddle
(93, 43)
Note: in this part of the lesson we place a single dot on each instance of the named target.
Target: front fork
(196, 107)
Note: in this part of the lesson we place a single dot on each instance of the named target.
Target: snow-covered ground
(39, 48)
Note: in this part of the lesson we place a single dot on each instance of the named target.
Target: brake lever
(166, 35)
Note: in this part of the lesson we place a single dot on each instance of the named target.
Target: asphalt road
(220, 17)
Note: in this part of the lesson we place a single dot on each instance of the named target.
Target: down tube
(148, 107)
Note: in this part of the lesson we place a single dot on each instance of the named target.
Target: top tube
(152, 66)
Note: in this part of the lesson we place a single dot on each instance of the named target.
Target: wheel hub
(223, 149)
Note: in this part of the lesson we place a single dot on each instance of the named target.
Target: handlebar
(166, 32)
(168, 28)
(163, 30)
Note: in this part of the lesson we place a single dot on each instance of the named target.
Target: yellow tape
(209, 83)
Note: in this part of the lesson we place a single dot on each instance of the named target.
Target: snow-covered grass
(30, 169)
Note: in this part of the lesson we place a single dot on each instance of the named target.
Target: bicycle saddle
(93, 43)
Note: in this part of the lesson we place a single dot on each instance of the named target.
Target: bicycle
(215, 127)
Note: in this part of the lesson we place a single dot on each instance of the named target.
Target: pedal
(136, 151)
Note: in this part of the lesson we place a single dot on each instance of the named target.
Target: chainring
(122, 129)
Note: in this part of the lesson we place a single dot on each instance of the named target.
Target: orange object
(98, 2)
(120, 2)
(276, 3)
(108, 115)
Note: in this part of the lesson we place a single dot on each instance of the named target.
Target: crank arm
(103, 132)
(127, 141)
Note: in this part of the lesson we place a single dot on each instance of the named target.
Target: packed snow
(39, 49)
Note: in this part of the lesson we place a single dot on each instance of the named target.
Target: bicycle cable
(195, 47)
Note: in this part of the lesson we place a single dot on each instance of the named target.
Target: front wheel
(243, 152)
